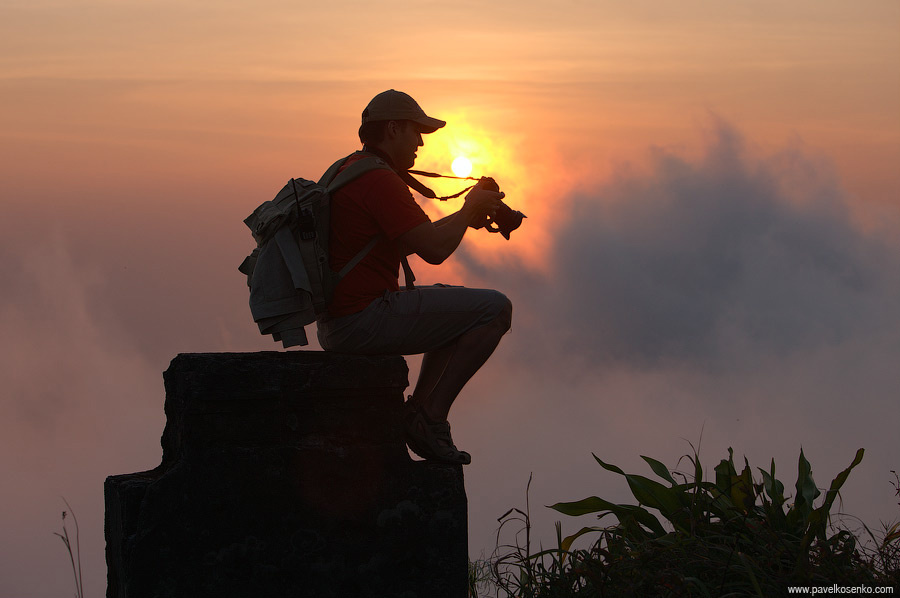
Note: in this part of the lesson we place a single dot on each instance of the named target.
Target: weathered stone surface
(286, 474)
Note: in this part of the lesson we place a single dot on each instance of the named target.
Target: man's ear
(392, 128)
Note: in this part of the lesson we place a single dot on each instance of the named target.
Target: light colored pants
(409, 322)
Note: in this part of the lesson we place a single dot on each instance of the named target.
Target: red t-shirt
(378, 202)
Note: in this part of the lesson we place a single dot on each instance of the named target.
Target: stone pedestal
(286, 475)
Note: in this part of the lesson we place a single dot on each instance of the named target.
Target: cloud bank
(709, 263)
(727, 299)
(730, 291)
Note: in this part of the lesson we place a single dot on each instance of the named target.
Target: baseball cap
(396, 105)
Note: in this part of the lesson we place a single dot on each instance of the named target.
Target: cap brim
(428, 125)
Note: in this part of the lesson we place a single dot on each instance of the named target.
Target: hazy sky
(712, 191)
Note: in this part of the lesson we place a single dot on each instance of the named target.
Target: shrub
(689, 536)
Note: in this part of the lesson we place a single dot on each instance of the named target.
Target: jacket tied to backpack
(290, 279)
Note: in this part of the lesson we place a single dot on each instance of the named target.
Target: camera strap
(416, 184)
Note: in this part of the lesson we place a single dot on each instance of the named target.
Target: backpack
(290, 279)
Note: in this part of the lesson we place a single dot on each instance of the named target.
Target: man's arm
(434, 242)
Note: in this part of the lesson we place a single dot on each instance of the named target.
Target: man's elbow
(431, 244)
(433, 257)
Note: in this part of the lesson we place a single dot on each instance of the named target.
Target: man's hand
(435, 242)
(481, 202)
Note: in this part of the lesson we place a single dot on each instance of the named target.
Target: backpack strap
(334, 181)
(408, 275)
(335, 178)
(359, 256)
(332, 172)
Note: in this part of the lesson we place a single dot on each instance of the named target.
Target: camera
(506, 220)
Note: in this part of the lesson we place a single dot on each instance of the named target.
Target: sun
(462, 166)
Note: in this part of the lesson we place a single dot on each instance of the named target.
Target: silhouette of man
(456, 328)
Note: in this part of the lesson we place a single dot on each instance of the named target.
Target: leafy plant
(884, 553)
(516, 570)
(479, 576)
(734, 534)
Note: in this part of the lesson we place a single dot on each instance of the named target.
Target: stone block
(286, 474)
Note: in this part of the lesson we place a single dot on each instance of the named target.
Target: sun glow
(462, 167)
(530, 183)
(468, 150)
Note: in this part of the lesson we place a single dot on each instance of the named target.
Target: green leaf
(806, 490)
(649, 492)
(892, 534)
(624, 513)
(742, 494)
(608, 466)
(720, 505)
(839, 480)
(819, 517)
(698, 470)
(774, 510)
(660, 470)
(628, 513)
(585, 506)
(725, 472)
(774, 488)
(654, 495)
(566, 543)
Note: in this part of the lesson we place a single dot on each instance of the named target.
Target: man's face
(407, 140)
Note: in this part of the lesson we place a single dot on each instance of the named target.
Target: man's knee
(504, 316)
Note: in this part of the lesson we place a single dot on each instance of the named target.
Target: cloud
(729, 292)
(709, 263)
(695, 290)
(79, 403)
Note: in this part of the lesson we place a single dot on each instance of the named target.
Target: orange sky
(223, 86)
(135, 136)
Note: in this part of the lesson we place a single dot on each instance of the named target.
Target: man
(456, 328)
